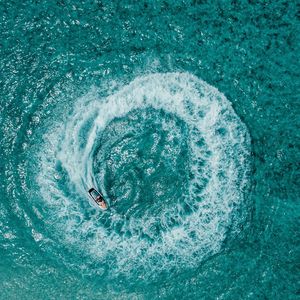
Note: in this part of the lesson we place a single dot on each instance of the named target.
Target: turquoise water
(184, 115)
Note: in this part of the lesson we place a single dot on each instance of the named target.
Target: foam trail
(171, 206)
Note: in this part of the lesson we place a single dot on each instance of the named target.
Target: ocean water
(184, 114)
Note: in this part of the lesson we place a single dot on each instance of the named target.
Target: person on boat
(101, 202)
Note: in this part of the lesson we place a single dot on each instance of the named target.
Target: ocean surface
(184, 114)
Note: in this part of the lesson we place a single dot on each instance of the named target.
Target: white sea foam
(197, 234)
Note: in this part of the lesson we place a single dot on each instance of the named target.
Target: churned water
(184, 115)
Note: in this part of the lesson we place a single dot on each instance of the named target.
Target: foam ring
(176, 233)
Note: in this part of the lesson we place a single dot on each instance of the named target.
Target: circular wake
(171, 157)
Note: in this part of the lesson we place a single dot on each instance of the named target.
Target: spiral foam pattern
(170, 156)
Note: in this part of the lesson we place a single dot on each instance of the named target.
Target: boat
(98, 198)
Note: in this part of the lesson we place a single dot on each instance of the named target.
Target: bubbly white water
(215, 193)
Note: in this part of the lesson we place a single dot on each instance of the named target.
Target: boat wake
(170, 156)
